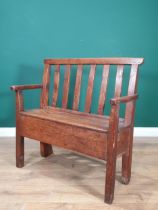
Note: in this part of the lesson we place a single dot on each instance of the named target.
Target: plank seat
(73, 118)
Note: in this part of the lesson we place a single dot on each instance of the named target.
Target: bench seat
(71, 117)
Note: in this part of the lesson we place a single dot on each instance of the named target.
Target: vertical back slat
(132, 88)
(119, 79)
(90, 88)
(103, 89)
(77, 88)
(56, 84)
(66, 86)
(45, 89)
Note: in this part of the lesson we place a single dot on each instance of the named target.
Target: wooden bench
(96, 135)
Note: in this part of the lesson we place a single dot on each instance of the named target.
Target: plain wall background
(35, 29)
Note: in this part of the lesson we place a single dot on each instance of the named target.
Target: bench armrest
(115, 109)
(123, 99)
(19, 95)
(25, 87)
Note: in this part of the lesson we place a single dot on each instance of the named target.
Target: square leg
(110, 179)
(46, 149)
(19, 151)
(127, 161)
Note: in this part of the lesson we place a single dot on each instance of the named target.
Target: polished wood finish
(129, 119)
(25, 87)
(45, 149)
(111, 154)
(66, 86)
(90, 88)
(45, 86)
(56, 84)
(96, 135)
(102, 97)
(123, 99)
(118, 83)
(73, 118)
(77, 88)
(115, 61)
(19, 138)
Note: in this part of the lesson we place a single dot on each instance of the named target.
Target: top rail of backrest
(103, 61)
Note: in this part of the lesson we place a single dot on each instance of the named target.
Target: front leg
(19, 151)
(111, 154)
(19, 139)
(110, 169)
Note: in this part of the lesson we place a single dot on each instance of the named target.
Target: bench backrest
(93, 62)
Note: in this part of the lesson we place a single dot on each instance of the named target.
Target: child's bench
(96, 135)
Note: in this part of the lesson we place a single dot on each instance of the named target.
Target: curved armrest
(123, 99)
(25, 87)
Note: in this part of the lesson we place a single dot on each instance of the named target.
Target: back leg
(110, 167)
(127, 161)
(46, 149)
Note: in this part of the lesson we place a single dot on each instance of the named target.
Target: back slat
(56, 84)
(77, 88)
(132, 88)
(66, 86)
(133, 79)
(45, 89)
(103, 90)
(119, 78)
(90, 88)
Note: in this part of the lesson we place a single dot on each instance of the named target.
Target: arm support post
(19, 96)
